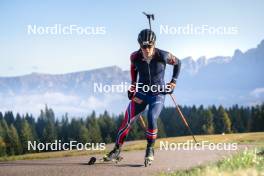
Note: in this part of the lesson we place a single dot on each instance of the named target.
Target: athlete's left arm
(173, 60)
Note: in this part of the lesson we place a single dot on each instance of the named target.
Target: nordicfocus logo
(124, 86)
(191, 29)
(59, 29)
(58, 145)
(203, 145)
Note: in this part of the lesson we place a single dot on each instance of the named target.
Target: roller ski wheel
(93, 160)
(114, 160)
(149, 157)
(112, 156)
(148, 161)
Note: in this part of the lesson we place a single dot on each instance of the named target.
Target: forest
(17, 129)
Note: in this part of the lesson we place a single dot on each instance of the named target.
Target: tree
(41, 122)
(2, 131)
(1, 116)
(257, 118)
(64, 131)
(6, 137)
(2, 147)
(9, 117)
(18, 123)
(208, 123)
(107, 127)
(171, 122)
(78, 131)
(83, 134)
(93, 128)
(235, 114)
(2, 134)
(49, 132)
(224, 123)
(74, 132)
(26, 135)
(15, 145)
(46, 126)
(31, 120)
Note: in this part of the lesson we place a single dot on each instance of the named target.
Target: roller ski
(149, 157)
(113, 156)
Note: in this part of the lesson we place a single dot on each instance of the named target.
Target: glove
(170, 87)
(131, 92)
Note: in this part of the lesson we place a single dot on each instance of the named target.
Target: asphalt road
(132, 164)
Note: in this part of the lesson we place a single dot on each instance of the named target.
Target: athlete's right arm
(133, 74)
(133, 70)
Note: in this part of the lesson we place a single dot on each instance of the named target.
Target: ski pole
(149, 16)
(182, 117)
(142, 122)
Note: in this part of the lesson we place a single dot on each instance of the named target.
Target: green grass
(256, 139)
(241, 138)
(248, 162)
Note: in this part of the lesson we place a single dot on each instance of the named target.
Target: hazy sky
(23, 53)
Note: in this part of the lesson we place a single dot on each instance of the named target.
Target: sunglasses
(146, 46)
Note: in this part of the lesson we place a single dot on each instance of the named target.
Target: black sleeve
(176, 71)
(172, 60)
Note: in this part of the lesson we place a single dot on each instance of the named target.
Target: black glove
(131, 92)
(170, 87)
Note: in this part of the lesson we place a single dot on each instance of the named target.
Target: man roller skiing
(147, 89)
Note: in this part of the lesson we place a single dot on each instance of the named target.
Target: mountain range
(237, 79)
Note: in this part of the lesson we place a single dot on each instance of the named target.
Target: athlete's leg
(155, 107)
(131, 113)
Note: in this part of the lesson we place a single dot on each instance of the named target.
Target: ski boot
(113, 155)
(149, 157)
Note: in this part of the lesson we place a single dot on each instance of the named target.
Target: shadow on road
(130, 165)
(117, 165)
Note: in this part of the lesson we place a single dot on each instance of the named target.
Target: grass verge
(249, 162)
